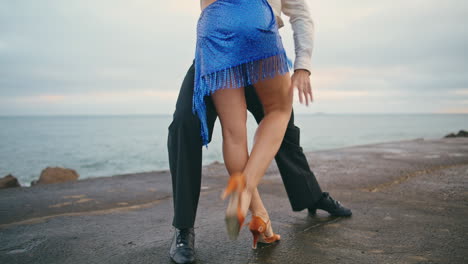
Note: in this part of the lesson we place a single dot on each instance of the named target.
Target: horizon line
(296, 114)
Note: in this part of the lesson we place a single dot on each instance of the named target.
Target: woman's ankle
(246, 199)
(265, 217)
(263, 214)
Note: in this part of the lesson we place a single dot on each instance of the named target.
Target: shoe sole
(341, 215)
(232, 226)
(314, 213)
(232, 223)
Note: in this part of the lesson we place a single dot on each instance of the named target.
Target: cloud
(454, 110)
(369, 56)
(99, 102)
(461, 92)
(99, 97)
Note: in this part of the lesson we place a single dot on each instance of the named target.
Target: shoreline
(271, 169)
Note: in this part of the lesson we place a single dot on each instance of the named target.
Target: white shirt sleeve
(303, 28)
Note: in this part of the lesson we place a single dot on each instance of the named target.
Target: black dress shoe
(183, 246)
(333, 207)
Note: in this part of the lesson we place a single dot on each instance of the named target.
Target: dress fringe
(241, 75)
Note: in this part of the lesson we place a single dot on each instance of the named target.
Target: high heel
(234, 216)
(258, 228)
(236, 183)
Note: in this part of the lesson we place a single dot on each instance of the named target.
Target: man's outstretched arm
(303, 34)
(303, 31)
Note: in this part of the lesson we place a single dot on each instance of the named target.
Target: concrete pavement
(409, 201)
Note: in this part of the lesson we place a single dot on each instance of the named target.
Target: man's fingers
(309, 91)
(299, 91)
(304, 89)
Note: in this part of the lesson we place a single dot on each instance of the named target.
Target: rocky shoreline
(58, 174)
(48, 175)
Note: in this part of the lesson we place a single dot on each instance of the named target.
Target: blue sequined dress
(238, 44)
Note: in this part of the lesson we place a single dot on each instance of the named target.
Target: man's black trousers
(185, 156)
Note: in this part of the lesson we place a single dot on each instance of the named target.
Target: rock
(9, 181)
(56, 174)
(461, 133)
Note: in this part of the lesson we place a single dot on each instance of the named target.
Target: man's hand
(301, 80)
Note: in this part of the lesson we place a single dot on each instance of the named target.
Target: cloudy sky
(129, 57)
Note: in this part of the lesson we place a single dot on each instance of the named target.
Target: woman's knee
(282, 107)
(235, 133)
(232, 111)
(276, 94)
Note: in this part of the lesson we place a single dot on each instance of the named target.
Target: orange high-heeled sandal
(258, 228)
(234, 217)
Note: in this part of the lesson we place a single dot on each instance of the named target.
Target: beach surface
(409, 200)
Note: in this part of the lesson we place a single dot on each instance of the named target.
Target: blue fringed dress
(238, 44)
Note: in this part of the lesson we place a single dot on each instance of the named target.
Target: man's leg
(300, 182)
(301, 185)
(185, 153)
(185, 161)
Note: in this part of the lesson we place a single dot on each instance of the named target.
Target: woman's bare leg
(232, 112)
(231, 108)
(276, 97)
(205, 3)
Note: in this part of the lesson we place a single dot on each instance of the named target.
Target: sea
(107, 145)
